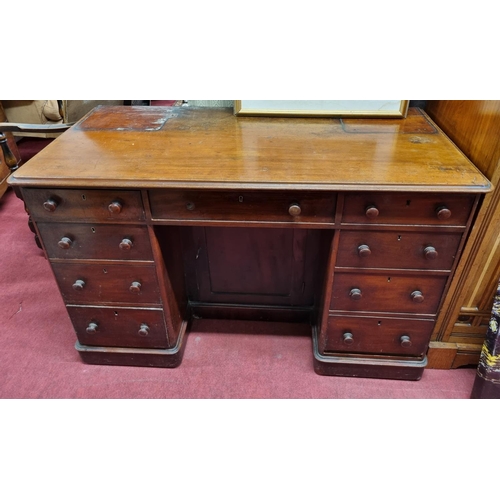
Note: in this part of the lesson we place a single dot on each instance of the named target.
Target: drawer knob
(50, 205)
(78, 285)
(417, 296)
(144, 330)
(65, 243)
(92, 328)
(126, 244)
(443, 213)
(364, 251)
(355, 294)
(348, 338)
(405, 341)
(135, 287)
(430, 253)
(371, 211)
(294, 209)
(115, 207)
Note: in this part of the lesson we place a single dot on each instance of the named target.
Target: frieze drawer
(407, 208)
(84, 205)
(248, 206)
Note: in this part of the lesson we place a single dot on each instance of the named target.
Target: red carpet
(38, 359)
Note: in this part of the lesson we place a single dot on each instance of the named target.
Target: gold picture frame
(316, 108)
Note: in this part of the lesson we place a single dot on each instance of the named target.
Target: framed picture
(365, 109)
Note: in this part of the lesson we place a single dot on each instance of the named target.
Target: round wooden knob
(443, 213)
(371, 211)
(135, 287)
(364, 251)
(50, 205)
(78, 285)
(126, 244)
(417, 296)
(348, 338)
(144, 330)
(92, 328)
(115, 207)
(355, 294)
(294, 209)
(405, 341)
(65, 243)
(430, 253)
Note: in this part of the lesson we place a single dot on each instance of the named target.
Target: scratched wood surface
(197, 147)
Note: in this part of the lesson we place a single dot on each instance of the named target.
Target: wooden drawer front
(387, 292)
(119, 327)
(89, 205)
(407, 208)
(93, 283)
(99, 241)
(377, 335)
(404, 250)
(314, 207)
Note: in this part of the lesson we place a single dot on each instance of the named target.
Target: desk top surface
(161, 147)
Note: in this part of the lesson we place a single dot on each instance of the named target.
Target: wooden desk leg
(487, 383)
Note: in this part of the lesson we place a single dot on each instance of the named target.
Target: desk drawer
(407, 208)
(86, 205)
(95, 283)
(396, 293)
(119, 327)
(403, 250)
(99, 241)
(245, 206)
(378, 335)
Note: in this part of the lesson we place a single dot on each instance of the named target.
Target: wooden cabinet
(353, 226)
(461, 327)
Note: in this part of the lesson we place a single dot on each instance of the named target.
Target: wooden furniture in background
(9, 154)
(152, 216)
(474, 126)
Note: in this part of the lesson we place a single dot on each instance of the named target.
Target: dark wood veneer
(354, 227)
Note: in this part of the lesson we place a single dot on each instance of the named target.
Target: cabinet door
(257, 266)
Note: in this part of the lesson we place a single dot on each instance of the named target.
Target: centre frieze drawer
(377, 335)
(248, 206)
(104, 283)
(402, 250)
(95, 241)
(119, 327)
(391, 292)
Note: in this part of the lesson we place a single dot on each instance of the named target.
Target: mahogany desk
(151, 216)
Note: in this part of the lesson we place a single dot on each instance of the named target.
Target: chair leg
(10, 158)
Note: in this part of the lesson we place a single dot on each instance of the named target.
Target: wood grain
(212, 148)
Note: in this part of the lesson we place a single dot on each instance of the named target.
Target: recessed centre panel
(257, 266)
